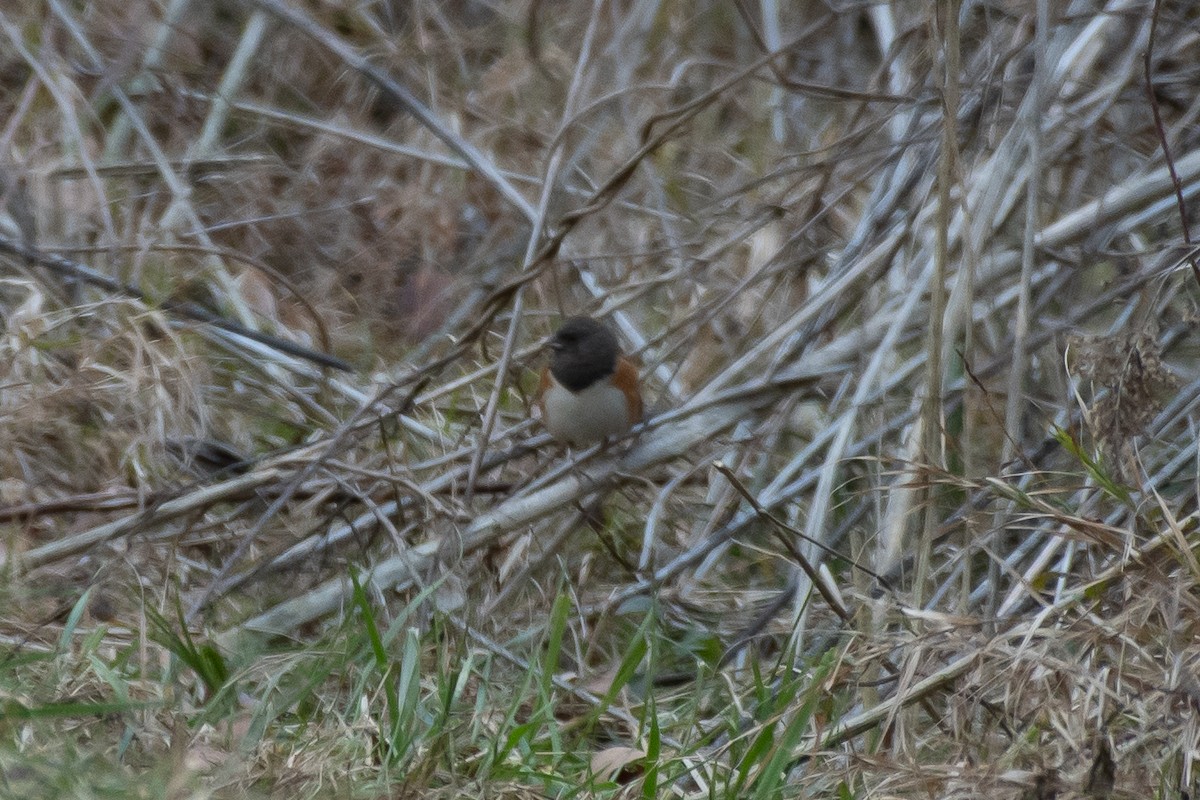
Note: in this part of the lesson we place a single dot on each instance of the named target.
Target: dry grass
(915, 515)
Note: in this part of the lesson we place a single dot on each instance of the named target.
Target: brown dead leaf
(619, 764)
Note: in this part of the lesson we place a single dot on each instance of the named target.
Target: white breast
(595, 413)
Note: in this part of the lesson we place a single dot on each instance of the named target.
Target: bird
(589, 391)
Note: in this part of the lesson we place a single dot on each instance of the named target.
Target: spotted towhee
(590, 390)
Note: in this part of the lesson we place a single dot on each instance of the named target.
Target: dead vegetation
(915, 515)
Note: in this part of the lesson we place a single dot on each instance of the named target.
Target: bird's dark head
(582, 352)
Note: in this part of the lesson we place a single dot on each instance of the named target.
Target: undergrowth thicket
(913, 515)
